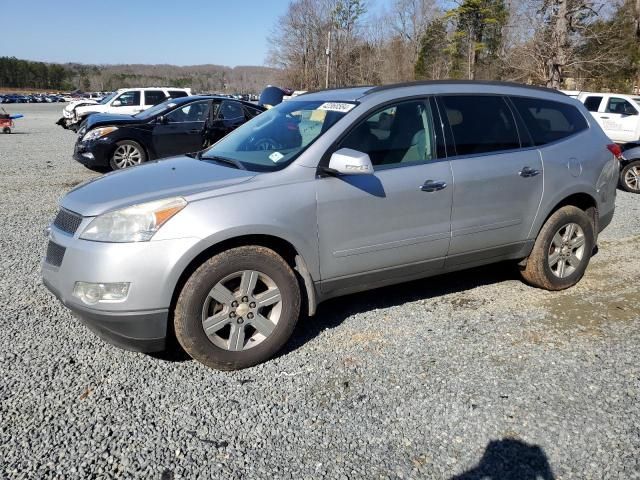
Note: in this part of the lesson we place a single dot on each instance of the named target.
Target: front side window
(549, 121)
(592, 103)
(480, 123)
(620, 106)
(129, 99)
(193, 112)
(153, 97)
(399, 134)
(273, 139)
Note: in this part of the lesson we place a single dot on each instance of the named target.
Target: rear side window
(153, 97)
(592, 103)
(480, 123)
(549, 121)
(177, 93)
(230, 111)
(620, 106)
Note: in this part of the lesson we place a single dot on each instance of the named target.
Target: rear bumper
(139, 331)
(605, 220)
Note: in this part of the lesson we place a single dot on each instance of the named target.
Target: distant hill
(201, 78)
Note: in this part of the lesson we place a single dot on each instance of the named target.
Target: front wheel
(6, 130)
(630, 177)
(562, 250)
(127, 154)
(238, 308)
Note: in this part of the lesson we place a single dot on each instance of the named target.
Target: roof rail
(461, 82)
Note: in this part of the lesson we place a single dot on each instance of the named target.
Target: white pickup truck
(127, 101)
(617, 114)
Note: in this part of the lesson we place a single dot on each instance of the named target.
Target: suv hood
(178, 176)
(79, 103)
(101, 119)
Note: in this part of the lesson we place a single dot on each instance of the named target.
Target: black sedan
(174, 127)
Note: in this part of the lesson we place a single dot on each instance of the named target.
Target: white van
(126, 101)
(617, 114)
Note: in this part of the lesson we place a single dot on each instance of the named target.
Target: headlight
(133, 224)
(98, 132)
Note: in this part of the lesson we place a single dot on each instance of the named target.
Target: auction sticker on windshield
(336, 107)
(275, 156)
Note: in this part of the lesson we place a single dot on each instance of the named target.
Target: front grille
(55, 254)
(67, 221)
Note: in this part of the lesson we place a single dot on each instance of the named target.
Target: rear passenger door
(498, 185)
(619, 120)
(153, 97)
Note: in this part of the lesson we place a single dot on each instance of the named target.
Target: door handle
(604, 118)
(432, 186)
(528, 172)
(195, 131)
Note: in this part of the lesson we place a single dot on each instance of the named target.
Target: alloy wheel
(127, 156)
(632, 178)
(241, 310)
(567, 250)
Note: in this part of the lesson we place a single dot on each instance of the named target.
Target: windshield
(276, 137)
(156, 109)
(106, 99)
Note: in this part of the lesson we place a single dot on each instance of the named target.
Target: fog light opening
(92, 293)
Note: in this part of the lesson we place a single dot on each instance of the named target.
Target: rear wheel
(237, 309)
(562, 250)
(630, 177)
(6, 130)
(127, 154)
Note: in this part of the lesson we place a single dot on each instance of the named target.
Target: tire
(233, 310)
(562, 251)
(127, 154)
(630, 177)
(6, 130)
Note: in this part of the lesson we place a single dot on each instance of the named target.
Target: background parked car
(617, 114)
(176, 126)
(127, 101)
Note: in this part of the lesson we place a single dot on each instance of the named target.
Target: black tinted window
(153, 97)
(480, 123)
(592, 103)
(230, 111)
(177, 93)
(548, 121)
(402, 133)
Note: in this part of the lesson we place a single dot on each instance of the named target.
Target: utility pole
(328, 52)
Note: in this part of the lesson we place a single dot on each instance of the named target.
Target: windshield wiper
(227, 161)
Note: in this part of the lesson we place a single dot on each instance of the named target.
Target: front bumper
(138, 323)
(93, 153)
(137, 331)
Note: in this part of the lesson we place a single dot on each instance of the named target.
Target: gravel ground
(493, 379)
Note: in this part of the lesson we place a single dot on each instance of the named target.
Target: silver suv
(326, 194)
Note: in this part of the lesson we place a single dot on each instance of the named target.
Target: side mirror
(116, 103)
(350, 162)
(162, 120)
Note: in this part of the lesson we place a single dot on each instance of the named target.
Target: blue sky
(180, 32)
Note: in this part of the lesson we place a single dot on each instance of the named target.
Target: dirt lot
(471, 375)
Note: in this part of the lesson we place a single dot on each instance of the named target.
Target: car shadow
(333, 312)
(510, 459)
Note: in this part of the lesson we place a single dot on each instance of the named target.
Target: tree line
(573, 44)
(16, 73)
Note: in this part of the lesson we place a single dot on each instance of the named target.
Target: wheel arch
(584, 201)
(282, 247)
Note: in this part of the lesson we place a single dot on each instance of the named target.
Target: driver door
(619, 120)
(390, 225)
(128, 103)
(182, 130)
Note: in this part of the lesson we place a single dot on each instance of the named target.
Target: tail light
(615, 149)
